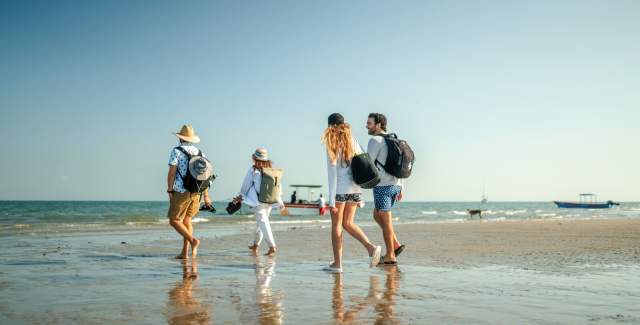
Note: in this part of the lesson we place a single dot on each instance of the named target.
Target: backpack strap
(184, 151)
(385, 136)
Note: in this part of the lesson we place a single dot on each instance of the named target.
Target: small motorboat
(587, 201)
(307, 206)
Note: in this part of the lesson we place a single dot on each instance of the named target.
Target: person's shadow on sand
(183, 307)
(383, 301)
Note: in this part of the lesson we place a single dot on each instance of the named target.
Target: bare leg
(182, 230)
(336, 234)
(380, 221)
(353, 229)
(185, 243)
(388, 234)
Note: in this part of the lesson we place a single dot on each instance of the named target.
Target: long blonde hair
(339, 142)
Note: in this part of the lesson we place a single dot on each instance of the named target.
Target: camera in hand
(232, 207)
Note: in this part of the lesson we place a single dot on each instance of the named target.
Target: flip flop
(383, 262)
(399, 250)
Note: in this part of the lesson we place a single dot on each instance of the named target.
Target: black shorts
(353, 198)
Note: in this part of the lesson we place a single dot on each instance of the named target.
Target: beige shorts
(182, 205)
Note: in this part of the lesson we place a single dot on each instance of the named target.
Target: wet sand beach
(542, 245)
(545, 272)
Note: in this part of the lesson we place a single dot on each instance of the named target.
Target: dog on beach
(473, 212)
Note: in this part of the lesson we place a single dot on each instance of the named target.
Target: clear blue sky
(539, 98)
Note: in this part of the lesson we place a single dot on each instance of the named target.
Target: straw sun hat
(187, 134)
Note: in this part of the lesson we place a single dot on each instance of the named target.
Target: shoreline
(39, 229)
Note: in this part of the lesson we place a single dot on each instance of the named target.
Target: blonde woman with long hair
(344, 195)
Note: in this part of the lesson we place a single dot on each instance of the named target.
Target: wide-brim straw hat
(261, 154)
(188, 134)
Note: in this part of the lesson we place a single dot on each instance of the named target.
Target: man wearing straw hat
(183, 205)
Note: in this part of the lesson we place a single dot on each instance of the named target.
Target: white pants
(263, 228)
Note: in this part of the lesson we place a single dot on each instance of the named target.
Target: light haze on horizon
(538, 100)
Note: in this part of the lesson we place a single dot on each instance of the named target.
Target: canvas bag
(270, 186)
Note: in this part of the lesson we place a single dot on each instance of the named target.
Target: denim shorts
(384, 197)
(353, 198)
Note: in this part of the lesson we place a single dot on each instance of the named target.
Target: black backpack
(364, 171)
(189, 181)
(400, 157)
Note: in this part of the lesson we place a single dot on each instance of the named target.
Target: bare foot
(271, 252)
(182, 256)
(254, 249)
(194, 247)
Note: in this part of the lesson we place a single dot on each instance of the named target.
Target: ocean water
(63, 216)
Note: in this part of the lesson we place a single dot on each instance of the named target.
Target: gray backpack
(270, 185)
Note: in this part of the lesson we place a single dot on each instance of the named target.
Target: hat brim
(261, 159)
(201, 177)
(204, 176)
(192, 139)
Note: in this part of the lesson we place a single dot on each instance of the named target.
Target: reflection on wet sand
(382, 300)
(268, 306)
(183, 306)
(385, 304)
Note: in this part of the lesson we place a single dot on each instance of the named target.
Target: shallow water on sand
(91, 278)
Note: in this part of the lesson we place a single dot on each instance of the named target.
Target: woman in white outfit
(249, 193)
(344, 195)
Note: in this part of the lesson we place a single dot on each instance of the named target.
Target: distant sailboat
(484, 194)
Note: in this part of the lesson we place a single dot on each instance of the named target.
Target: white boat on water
(308, 206)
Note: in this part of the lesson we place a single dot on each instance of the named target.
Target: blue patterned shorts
(384, 197)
